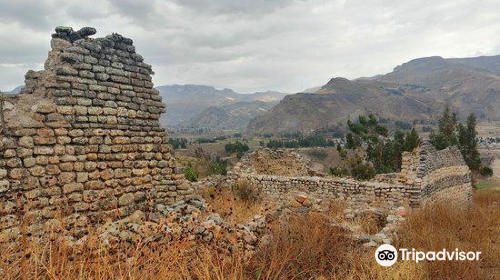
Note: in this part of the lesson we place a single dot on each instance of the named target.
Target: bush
(245, 192)
(314, 140)
(403, 125)
(217, 167)
(236, 147)
(362, 171)
(178, 143)
(427, 129)
(485, 171)
(339, 171)
(317, 154)
(205, 140)
(190, 173)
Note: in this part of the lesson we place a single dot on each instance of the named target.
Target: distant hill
(188, 103)
(312, 90)
(490, 63)
(416, 90)
(234, 116)
(14, 91)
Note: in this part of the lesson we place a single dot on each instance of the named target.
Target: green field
(488, 184)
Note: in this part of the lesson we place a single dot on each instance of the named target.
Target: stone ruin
(82, 145)
(82, 141)
(278, 162)
(426, 176)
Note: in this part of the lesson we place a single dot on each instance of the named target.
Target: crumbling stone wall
(83, 141)
(277, 162)
(443, 176)
(426, 175)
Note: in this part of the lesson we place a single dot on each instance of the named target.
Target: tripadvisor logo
(387, 255)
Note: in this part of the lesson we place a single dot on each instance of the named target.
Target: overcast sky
(256, 45)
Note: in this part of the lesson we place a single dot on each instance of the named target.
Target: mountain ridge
(186, 102)
(415, 90)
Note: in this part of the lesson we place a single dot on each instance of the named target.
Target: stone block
(26, 141)
(126, 199)
(72, 187)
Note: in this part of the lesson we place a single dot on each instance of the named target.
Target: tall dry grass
(303, 247)
(237, 204)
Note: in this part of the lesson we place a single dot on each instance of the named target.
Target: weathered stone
(72, 187)
(29, 162)
(126, 199)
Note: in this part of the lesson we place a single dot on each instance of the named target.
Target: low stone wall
(82, 141)
(426, 176)
(355, 192)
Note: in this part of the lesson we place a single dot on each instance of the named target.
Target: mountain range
(416, 90)
(200, 106)
(16, 90)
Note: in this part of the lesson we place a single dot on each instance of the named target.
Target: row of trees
(382, 153)
(237, 147)
(314, 140)
(451, 132)
(374, 152)
(178, 143)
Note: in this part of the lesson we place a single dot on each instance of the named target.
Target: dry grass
(236, 205)
(302, 248)
(475, 229)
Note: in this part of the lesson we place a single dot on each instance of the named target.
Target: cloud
(238, 8)
(256, 45)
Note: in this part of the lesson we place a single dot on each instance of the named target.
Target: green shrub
(245, 192)
(217, 167)
(317, 154)
(362, 171)
(178, 143)
(236, 147)
(190, 173)
(339, 171)
(485, 171)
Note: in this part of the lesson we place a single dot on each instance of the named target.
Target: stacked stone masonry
(426, 176)
(82, 141)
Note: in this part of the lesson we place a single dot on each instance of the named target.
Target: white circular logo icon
(386, 255)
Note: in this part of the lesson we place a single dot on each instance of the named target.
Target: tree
(467, 143)
(412, 140)
(383, 154)
(446, 135)
(465, 136)
(237, 147)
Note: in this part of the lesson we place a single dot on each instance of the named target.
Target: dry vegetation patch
(236, 204)
(300, 247)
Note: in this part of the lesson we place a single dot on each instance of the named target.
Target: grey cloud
(30, 14)
(239, 7)
(254, 45)
(136, 10)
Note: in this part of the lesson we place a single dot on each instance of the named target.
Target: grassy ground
(488, 184)
(305, 247)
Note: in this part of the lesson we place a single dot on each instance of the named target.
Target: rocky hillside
(15, 91)
(417, 89)
(234, 116)
(187, 104)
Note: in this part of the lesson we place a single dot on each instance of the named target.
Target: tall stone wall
(426, 176)
(82, 141)
(443, 176)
